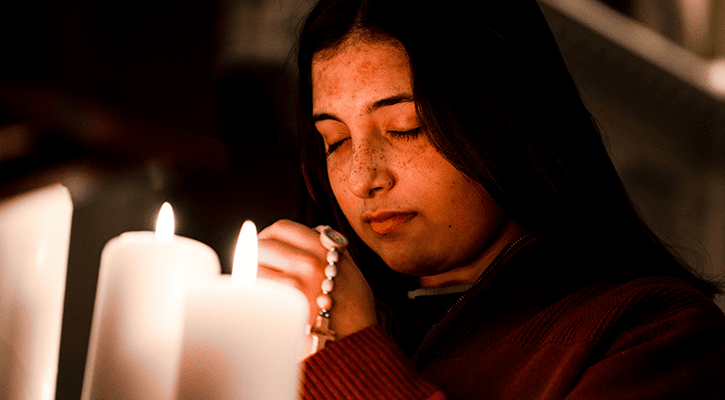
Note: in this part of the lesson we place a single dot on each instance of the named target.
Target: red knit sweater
(523, 332)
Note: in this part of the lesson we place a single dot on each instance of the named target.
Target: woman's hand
(292, 253)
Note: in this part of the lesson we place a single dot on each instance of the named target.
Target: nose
(370, 171)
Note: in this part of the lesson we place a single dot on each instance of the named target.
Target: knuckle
(276, 226)
(281, 223)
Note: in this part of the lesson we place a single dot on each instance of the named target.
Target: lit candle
(135, 340)
(34, 238)
(243, 336)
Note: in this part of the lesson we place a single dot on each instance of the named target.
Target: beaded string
(320, 331)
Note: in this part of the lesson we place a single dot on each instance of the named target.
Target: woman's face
(405, 200)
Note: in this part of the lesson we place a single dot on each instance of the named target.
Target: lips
(388, 222)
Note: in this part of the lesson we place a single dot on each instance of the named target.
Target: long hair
(495, 98)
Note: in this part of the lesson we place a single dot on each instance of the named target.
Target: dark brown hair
(496, 99)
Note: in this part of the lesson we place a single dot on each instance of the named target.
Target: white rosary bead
(331, 271)
(332, 256)
(324, 301)
(327, 286)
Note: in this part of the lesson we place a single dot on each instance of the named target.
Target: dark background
(130, 104)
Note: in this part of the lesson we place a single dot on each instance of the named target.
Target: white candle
(34, 238)
(135, 340)
(243, 339)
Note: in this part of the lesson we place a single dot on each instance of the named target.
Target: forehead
(359, 70)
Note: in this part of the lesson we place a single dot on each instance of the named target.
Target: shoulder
(640, 308)
(659, 338)
(660, 308)
(651, 299)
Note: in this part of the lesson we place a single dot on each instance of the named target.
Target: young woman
(493, 251)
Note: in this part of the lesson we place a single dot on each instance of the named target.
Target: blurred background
(133, 103)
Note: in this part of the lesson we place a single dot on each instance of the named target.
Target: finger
(295, 234)
(287, 259)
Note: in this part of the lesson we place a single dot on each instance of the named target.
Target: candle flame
(244, 268)
(165, 224)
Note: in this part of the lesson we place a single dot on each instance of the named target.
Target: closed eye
(407, 135)
(334, 146)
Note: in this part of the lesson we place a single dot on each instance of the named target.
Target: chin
(398, 257)
(403, 265)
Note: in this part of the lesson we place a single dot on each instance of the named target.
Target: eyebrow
(386, 102)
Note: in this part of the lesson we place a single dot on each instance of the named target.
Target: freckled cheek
(340, 188)
(336, 179)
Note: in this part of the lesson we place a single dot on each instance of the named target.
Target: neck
(468, 274)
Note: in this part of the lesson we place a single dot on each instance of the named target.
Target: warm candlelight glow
(165, 224)
(137, 329)
(243, 337)
(35, 232)
(244, 268)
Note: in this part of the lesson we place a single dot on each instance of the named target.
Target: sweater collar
(507, 257)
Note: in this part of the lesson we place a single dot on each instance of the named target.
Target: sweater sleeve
(365, 365)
